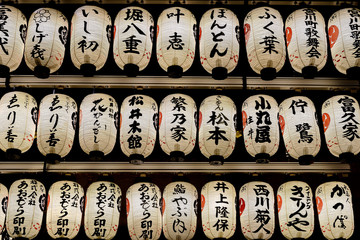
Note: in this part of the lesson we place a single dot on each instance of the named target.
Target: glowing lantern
(4, 196)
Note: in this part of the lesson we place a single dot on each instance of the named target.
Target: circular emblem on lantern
(247, 32)
(202, 202)
(279, 201)
(333, 35)
(244, 118)
(42, 202)
(282, 124)
(288, 36)
(319, 204)
(326, 121)
(241, 206)
(4, 204)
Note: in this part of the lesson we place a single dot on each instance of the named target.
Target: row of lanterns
(176, 33)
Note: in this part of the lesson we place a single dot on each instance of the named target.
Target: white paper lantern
(90, 38)
(176, 40)
(133, 36)
(143, 211)
(25, 208)
(299, 128)
(306, 41)
(257, 217)
(64, 209)
(334, 207)
(260, 126)
(102, 210)
(219, 39)
(295, 209)
(264, 39)
(218, 209)
(177, 125)
(4, 196)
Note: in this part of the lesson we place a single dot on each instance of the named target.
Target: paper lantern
(257, 217)
(264, 39)
(4, 196)
(90, 39)
(334, 207)
(176, 40)
(217, 134)
(64, 209)
(143, 211)
(138, 125)
(25, 208)
(102, 210)
(133, 36)
(306, 41)
(295, 209)
(260, 127)
(177, 125)
(299, 128)
(219, 39)
(218, 211)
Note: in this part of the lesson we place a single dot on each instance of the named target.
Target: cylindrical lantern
(25, 208)
(219, 38)
(295, 209)
(299, 128)
(260, 127)
(218, 209)
(177, 125)
(133, 38)
(90, 38)
(4, 196)
(217, 128)
(64, 209)
(264, 39)
(45, 41)
(175, 40)
(102, 210)
(143, 211)
(257, 217)
(306, 41)
(334, 207)
(138, 125)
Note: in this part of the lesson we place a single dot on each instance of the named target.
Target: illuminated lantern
(176, 40)
(143, 211)
(63, 220)
(299, 128)
(90, 39)
(102, 205)
(133, 36)
(217, 124)
(26, 207)
(334, 207)
(264, 39)
(306, 41)
(217, 195)
(295, 209)
(260, 127)
(219, 39)
(4, 196)
(177, 125)
(56, 125)
(257, 197)
(138, 125)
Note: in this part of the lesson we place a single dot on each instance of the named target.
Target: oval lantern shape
(176, 40)
(25, 208)
(306, 41)
(138, 125)
(257, 217)
(90, 39)
(334, 207)
(219, 40)
(217, 128)
(299, 128)
(4, 197)
(45, 41)
(64, 209)
(98, 124)
(295, 210)
(133, 39)
(260, 127)
(143, 211)
(102, 210)
(177, 125)
(13, 34)
(218, 211)
(264, 39)
(56, 125)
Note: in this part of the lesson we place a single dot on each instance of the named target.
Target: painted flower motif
(42, 15)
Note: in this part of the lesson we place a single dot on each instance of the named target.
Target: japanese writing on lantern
(341, 194)
(99, 111)
(55, 104)
(269, 40)
(262, 206)
(179, 213)
(86, 43)
(302, 199)
(311, 32)
(134, 140)
(4, 32)
(41, 16)
(355, 30)
(221, 207)
(218, 119)
(350, 125)
(298, 107)
(218, 30)
(179, 118)
(149, 199)
(263, 121)
(12, 106)
(175, 40)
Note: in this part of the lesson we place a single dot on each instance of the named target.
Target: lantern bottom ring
(268, 73)
(175, 71)
(131, 70)
(177, 156)
(309, 72)
(87, 69)
(4, 71)
(136, 159)
(219, 73)
(53, 158)
(216, 160)
(13, 154)
(306, 159)
(41, 72)
(262, 158)
(353, 73)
